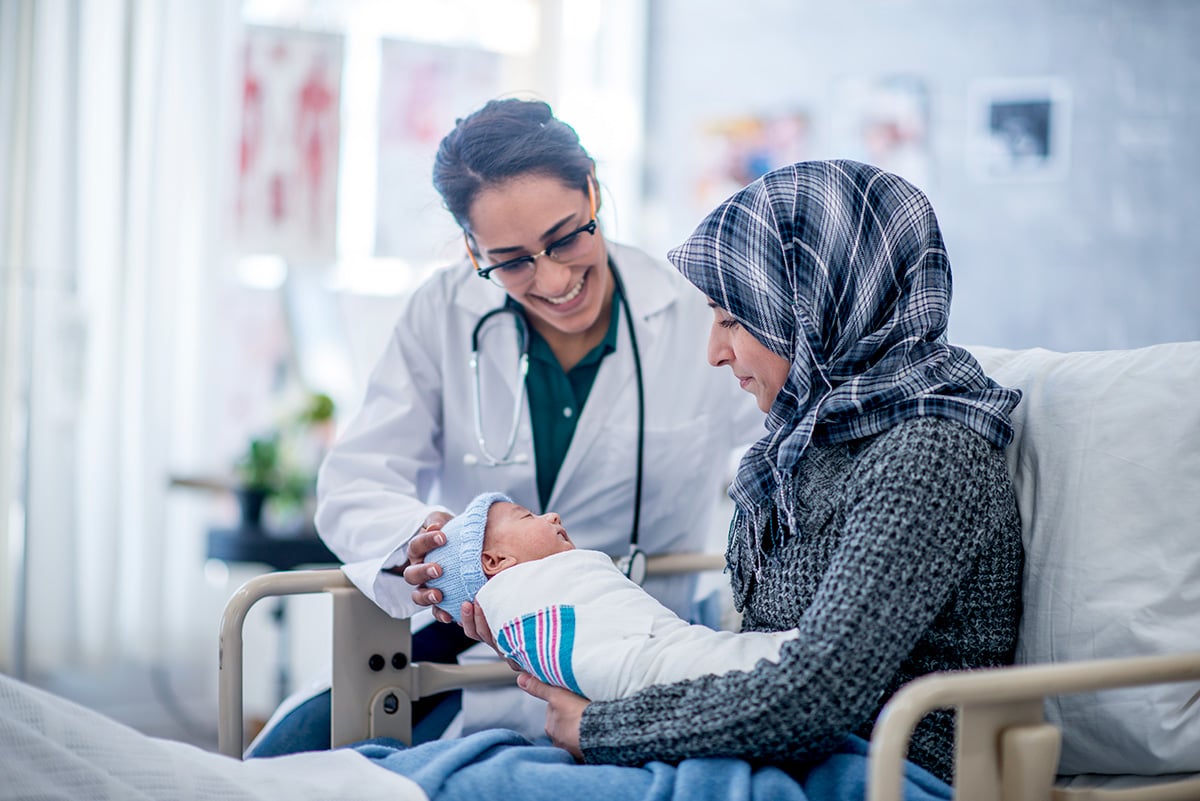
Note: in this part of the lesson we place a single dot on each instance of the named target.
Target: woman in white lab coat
(524, 192)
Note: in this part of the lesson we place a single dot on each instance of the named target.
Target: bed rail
(1005, 750)
(374, 681)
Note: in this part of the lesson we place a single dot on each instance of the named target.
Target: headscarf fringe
(750, 530)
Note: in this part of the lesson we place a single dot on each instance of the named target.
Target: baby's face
(515, 535)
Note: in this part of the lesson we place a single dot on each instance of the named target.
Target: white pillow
(1106, 463)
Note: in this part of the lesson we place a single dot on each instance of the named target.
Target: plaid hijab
(838, 267)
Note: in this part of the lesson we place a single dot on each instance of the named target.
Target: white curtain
(124, 224)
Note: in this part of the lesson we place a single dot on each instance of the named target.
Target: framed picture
(735, 149)
(289, 144)
(423, 89)
(1018, 129)
(884, 121)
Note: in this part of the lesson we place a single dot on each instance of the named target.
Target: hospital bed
(1103, 703)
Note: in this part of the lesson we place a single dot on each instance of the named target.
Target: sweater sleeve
(915, 521)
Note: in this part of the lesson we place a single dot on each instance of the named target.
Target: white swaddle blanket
(574, 620)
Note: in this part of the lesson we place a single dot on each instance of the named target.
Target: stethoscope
(634, 564)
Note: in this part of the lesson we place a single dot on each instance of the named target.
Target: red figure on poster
(316, 132)
(252, 127)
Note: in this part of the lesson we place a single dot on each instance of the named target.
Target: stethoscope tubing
(523, 370)
(507, 458)
(641, 395)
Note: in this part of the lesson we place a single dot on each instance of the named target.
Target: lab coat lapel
(613, 397)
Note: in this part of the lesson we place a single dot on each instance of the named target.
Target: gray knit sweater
(907, 561)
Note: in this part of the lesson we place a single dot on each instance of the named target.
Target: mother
(877, 515)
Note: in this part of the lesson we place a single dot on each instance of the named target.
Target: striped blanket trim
(541, 643)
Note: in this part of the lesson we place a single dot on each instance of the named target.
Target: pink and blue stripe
(541, 643)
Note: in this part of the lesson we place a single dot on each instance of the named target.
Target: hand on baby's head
(492, 534)
(460, 558)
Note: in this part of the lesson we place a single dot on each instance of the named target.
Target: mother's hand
(417, 572)
(475, 626)
(564, 712)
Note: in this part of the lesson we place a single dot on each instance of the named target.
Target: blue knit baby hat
(461, 557)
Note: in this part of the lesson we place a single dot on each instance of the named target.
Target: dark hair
(502, 140)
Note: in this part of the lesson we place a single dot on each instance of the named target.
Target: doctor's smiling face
(514, 535)
(759, 370)
(567, 291)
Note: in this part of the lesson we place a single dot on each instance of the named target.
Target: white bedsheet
(51, 748)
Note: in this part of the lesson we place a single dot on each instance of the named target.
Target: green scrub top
(556, 398)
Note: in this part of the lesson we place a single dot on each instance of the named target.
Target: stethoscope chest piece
(633, 565)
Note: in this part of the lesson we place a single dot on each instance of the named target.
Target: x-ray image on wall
(1019, 129)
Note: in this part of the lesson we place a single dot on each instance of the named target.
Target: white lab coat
(402, 456)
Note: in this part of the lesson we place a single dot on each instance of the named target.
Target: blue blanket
(501, 764)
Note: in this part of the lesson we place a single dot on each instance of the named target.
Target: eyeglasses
(515, 273)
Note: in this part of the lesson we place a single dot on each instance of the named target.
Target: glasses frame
(589, 228)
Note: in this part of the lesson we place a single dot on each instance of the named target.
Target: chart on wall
(1018, 129)
(289, 144)
(423, 89)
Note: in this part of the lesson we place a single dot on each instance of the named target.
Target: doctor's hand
(417, 571)
(563, 713)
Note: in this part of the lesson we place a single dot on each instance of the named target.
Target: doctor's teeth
(561, 299)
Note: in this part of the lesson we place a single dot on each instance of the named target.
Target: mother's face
(758, 369)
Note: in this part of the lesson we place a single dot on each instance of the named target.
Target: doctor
(590, 392)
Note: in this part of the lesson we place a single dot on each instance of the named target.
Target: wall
(1104, 256)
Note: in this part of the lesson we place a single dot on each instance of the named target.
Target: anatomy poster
(288, 144)
(423, 89)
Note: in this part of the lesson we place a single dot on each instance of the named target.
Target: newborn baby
(570, 617)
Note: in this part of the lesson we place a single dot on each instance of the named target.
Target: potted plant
(259, 476)
(280, 465)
